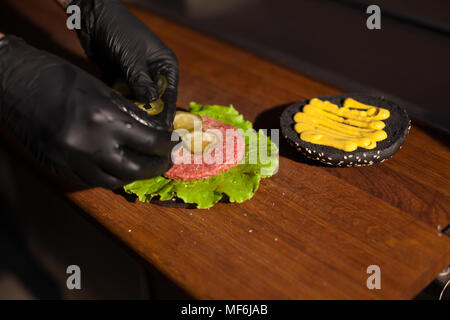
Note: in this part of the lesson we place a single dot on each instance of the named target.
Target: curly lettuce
(239, 183)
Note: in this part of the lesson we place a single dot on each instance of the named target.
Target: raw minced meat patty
(226, 154)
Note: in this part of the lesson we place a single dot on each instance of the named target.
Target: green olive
(155, 107)
(152, 108)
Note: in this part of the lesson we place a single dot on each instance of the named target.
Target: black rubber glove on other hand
(121, 45)
(74, 123)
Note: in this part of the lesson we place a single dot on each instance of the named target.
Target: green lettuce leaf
(239, 183)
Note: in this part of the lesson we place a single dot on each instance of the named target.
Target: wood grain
(310, 231)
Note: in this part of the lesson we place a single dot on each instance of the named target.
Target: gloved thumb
(143, 87)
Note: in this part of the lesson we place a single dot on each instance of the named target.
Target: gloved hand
(123, 46)
(74, 123)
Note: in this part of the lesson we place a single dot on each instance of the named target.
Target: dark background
(408, 59)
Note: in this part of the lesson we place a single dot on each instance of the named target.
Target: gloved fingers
(107, 181)
(141, 84)
(156, 167)
(168, 114)
(170, 71)
(129, 165)
(130, 115)
(94, 176)
(164, 120)
(145, 140)
(145, 90)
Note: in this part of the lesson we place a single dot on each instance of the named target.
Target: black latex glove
(119, 42)
(74, 123)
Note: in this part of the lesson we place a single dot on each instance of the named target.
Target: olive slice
(152, 108)
(155, 107)
(199, 142)
(187, 121)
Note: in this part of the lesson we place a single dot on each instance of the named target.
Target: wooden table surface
(310, 231)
